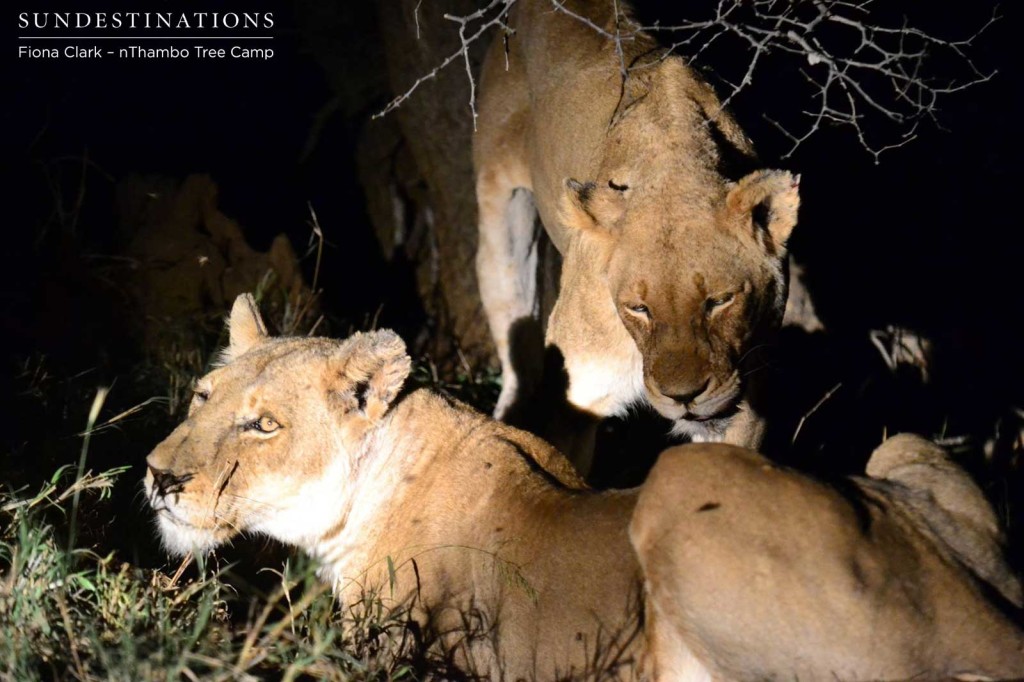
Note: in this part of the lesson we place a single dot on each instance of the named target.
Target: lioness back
(766, 573)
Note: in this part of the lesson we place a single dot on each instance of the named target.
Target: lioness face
(271, 437)
(697, 286)
(693, 322)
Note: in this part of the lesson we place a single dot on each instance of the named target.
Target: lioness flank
(673, 241)
(755, 572)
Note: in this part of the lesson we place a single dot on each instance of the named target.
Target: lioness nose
(685, 398)
(163, 479)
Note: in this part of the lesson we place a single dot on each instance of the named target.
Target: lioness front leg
(506, 266)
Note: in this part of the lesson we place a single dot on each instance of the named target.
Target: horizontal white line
(145, 37)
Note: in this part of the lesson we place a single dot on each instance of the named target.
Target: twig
(463, 52)
(185, 563)
(814, 409)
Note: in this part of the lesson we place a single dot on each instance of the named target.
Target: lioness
(523, 573)
(755, 572)
(497, 547)
(673, 252)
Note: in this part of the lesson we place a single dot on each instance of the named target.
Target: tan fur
(498, 547)
(757, 572)
(750, 571)
(633, 184)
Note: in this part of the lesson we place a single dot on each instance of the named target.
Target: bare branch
(857, 71)
(465, 42)
(881, 78)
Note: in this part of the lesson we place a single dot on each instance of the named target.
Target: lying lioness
(523, 573)
(754, 572)
(496, 545)
(673, 240)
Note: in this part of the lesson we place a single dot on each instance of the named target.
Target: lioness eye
(718, 301)
(199, 396)
(264, 424)
(639, 309)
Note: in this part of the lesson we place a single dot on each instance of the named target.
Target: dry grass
(76, 603)
(70, 613)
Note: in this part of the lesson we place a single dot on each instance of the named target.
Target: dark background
(929, 239)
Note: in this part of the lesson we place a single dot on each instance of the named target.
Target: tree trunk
(430, 210)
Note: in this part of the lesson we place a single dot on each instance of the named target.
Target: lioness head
(695, 270)
(272, 436)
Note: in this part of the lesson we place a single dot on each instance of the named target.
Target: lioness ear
(245, 328)
(367, 373)
(771, 199)
(586, 206)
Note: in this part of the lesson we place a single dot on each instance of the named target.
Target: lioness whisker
(758, 368)
(750, 350)
(252, 500)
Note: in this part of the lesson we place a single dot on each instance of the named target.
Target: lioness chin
(672, 237)
(499, 550)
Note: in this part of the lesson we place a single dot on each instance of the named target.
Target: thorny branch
(486, 22)
(857, 70)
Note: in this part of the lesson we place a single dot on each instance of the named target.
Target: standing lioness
(673, 252)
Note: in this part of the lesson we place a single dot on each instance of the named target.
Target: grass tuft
(70, 613)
